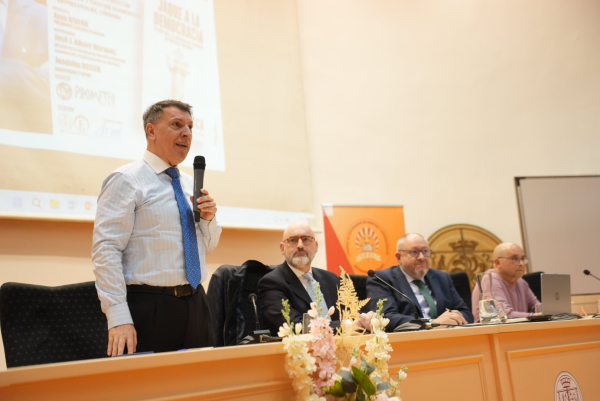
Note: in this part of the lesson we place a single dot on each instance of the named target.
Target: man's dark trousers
(169, 323)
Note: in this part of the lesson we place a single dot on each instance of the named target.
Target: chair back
(254, 272)
(217, 299)
(360, 285)
(232, 312)
(463, 286)
(535, 283)
(51, 324)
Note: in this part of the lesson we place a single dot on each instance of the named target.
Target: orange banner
(362, 238)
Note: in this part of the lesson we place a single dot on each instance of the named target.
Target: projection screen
(560, 222)
(75, 78)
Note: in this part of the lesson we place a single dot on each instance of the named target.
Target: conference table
(556, 360)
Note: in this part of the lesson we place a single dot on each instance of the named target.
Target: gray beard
(300, 261)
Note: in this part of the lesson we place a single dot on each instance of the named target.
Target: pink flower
(384, 397)
(323, 350)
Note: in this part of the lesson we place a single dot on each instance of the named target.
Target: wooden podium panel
(512, 362)
(533, 359)
(445, 363)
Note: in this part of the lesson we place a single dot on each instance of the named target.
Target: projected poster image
(24, 67)
(106, 61)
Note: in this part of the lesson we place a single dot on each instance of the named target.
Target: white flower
(379, 323)
(402, 375)
(284, 330)
(331, 311)
(313, 310)
(298, 328)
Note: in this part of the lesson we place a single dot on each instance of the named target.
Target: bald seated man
(507, 283)
(431, 290)
(295, 280)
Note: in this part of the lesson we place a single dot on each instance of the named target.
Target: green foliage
(336, 390)
(358, 383)
(363, 381)
(318, 297)
(286, 311)
(380, 307)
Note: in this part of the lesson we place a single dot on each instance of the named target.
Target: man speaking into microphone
(148, 252)
(431, 290)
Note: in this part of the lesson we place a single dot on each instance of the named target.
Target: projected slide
(76, 75)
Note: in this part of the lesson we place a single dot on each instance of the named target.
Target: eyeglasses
(516, 261)
(306, 240)
(415, 253)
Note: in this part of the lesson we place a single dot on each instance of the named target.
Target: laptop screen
(556, 294)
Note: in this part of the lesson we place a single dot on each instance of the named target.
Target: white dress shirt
(301, 274)
(420, 298)
(138, 237)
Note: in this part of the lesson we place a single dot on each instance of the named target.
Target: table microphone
(415, 324)
(587, 273)
(199, 166)
(257, 336)
(252, 298)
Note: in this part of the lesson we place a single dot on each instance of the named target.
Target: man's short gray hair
(153, 113)
(402, 241)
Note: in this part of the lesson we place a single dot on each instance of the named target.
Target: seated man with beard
(295, 280)
(431, 291)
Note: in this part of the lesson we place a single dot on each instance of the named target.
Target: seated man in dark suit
(431, 290)
(295, 279)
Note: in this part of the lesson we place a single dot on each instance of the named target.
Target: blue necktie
(190, 242)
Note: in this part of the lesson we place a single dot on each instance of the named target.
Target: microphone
(257, 336)
(199, 166)
(252, 298)
(372, 274)
(588, 273)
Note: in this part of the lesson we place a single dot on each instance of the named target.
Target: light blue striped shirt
(138, 237)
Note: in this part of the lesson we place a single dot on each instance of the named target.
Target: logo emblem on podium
(566, 388)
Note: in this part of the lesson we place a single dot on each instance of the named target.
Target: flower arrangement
(312, 359)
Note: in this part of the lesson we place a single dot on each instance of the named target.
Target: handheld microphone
(372, 274)
(252, 298)
(199, 166)
(588, 273)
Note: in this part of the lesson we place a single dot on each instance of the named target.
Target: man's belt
(177, 291)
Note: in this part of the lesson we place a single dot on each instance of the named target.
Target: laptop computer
(556, 293)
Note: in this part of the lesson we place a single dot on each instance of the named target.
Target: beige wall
(438, 105)
(432, 105)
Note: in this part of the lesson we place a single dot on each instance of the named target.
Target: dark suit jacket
(399, 310)
(282, 283)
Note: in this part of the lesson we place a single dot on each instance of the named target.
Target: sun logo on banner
(366, 247)
(368, 243)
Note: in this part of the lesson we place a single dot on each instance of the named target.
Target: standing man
(431, 290)
(295, 279)
(507, 283)
(148, 252)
